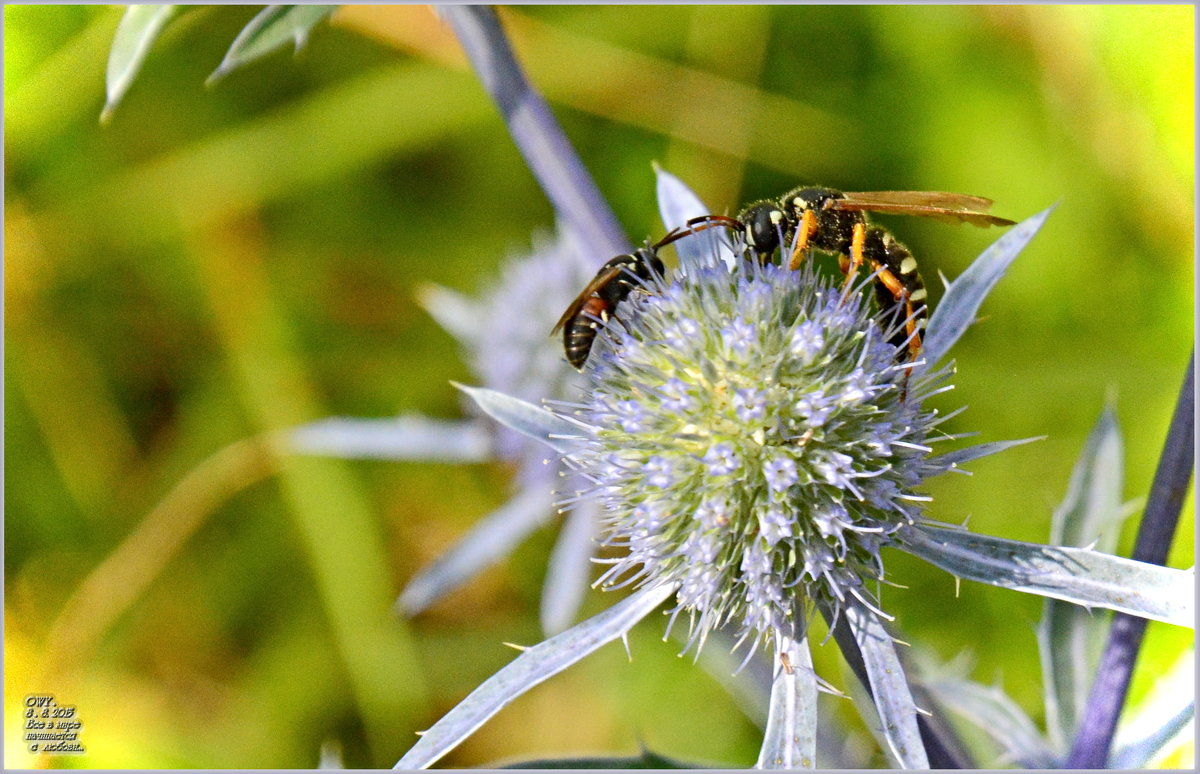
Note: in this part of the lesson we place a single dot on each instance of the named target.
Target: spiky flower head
(756, 440)
(504, 331)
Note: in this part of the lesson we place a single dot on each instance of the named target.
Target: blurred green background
(220, 262)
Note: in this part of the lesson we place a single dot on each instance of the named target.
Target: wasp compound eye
(763, 223)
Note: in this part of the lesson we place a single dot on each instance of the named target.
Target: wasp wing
(954, 201)
(606, 275)
(942, 205)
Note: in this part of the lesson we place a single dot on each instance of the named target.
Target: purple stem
(538, 136)
(1093, 742)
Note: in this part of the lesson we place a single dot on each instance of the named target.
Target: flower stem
(942, 745)
(1093, 741)
(538, 136)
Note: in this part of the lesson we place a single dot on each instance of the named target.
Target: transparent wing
(600, 280)
(951, 207)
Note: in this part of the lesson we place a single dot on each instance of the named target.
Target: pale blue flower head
(767, 421)
(504, 332)
(755, 440)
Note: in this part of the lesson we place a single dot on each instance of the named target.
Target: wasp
(825, 219)
(616, 279)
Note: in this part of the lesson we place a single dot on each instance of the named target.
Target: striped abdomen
(580, 331)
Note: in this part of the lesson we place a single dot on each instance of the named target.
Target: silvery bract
(504, 334)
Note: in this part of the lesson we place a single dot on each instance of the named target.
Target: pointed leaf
(943, 748)
(1064, 634)
(1069, 638)
(570, 567)
(139, 28)
(1155, 726)
(458, 315)
(488, 542)
(998, 716)
(677, 204)
(1094, 495)
(964, 296)
(274, 27)
(893, 699)
(408, 437)
(1073, 574)
(790, 740)
(532, 667)
(957, 457)
(531, 123)
(1143, 752)
(526, 418)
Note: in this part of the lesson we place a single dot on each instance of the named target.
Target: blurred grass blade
(998, 716)
(407, 437)
(1075, 575)
(893, 699)
(526, 418)
(273, 28)
(570, 567)
(139, 28)
(333, 523)
(118, 582)
(1070, 638)
(532, 667)
(962, 300)
(488, 542)
(790, 740)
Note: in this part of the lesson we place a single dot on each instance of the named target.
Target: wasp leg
(902, 296)
(808, 227)
(914, 343)
(850, 267)
(911, 324)
(912, 327)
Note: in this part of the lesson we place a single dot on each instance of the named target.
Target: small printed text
(51, 727)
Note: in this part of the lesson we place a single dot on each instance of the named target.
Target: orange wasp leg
(901, 294)
(857, 243)
(808, 227)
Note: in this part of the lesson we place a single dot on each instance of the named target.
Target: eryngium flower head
(504, 332)
(727, 398)
(755, 435)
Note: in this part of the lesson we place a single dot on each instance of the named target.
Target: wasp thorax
(810, 198)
